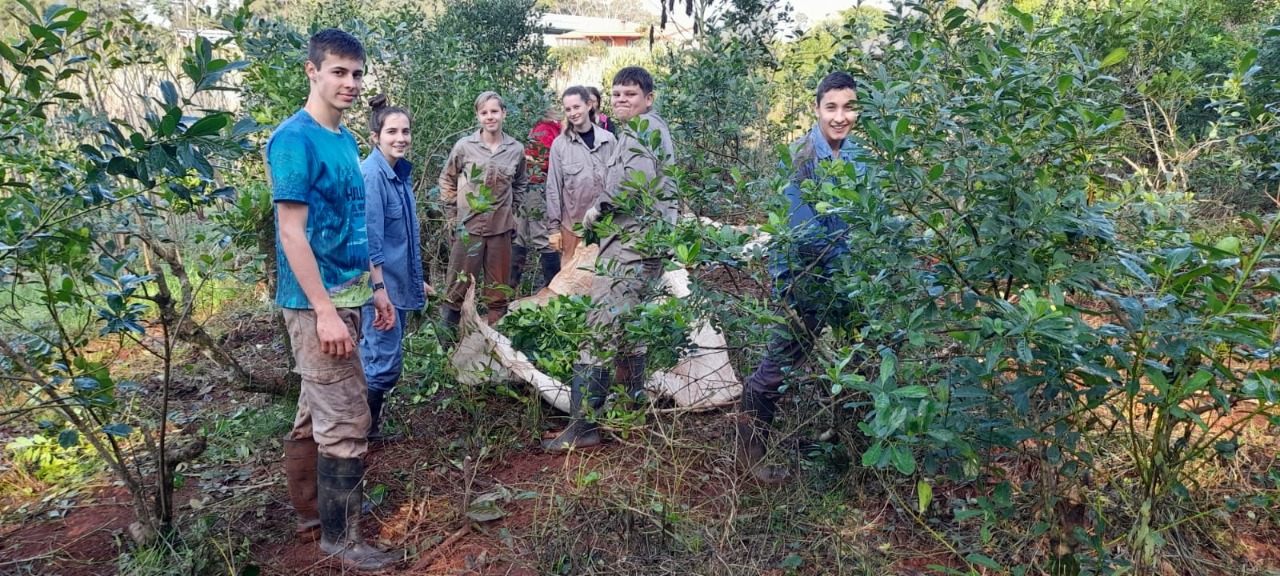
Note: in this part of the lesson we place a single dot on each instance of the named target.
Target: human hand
(554, 241)
(335, 339)
(384, 314)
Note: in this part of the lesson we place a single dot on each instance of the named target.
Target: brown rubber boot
(340, 501)
(630, 375)
(755, 417)
(300, 473)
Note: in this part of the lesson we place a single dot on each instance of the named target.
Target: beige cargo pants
(333, 407)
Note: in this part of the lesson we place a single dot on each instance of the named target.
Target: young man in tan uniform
(637, 195)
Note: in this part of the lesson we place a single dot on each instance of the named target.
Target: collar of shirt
(848, 149)
(507, 140)
(574, 135)
(401, 171)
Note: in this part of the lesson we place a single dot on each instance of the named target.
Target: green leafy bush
(550, 335)
(92, 256)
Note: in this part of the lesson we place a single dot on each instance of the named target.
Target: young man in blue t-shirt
(801, 268)
(324, 277)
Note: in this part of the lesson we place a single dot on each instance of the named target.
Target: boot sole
(391, 562)
(565, 447)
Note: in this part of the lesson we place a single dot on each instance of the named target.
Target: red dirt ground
(424, 496)
(83, 543)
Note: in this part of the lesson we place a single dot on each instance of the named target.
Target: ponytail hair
(381, 110)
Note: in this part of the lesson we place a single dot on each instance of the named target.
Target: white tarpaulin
(702, 378)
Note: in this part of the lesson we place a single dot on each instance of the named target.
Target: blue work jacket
(819, 242)
(392, 220)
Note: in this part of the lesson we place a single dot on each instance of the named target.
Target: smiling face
(337, 81)
(629, 101)
(577, 112)
(837, 113)
(490, 114)
(394, 139)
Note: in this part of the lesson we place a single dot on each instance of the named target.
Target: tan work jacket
(502, 171)
(631, 156)
(575, 175)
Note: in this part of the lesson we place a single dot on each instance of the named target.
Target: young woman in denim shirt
(394, 244)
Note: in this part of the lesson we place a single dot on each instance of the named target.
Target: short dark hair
(381, 110)
(595, 93)
(834, 81)
(336, 42)
(634, 76)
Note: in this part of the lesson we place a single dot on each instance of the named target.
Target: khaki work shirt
(575, 175)
(502, 171)
(631, 156)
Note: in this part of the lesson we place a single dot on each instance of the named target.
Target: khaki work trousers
(333, 406)
(531, 223)
(475, 254)
(623, 287)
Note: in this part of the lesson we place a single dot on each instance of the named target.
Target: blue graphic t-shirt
(318, 167)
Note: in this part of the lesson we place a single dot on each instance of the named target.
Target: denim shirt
(392, 220)
(819, 239)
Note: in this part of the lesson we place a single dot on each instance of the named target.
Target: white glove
(589, 219)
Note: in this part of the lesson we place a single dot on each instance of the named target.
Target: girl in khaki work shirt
(482, 181)
(575, 170)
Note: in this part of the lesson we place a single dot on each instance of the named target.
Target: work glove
(589, 219)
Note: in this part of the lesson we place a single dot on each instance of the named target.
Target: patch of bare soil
(84, 542)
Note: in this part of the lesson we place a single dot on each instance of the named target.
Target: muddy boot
(755, 417)
(631, 378)
(550, 263)
(519, 254)
(452, 319)
(340, 501)
(376, 399)
(586, 395)
(300, 475)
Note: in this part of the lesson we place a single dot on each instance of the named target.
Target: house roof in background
(565, 23)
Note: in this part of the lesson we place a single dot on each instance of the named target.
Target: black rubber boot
(452, 319)
(586, 394)
(519, 254)
(631, 378)
(756, 416)
(339, 502)
(550, 263)
(376, 400)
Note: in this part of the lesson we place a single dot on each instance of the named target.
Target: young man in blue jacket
(801, 267)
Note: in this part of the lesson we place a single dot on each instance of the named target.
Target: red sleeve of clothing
(538, 148)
